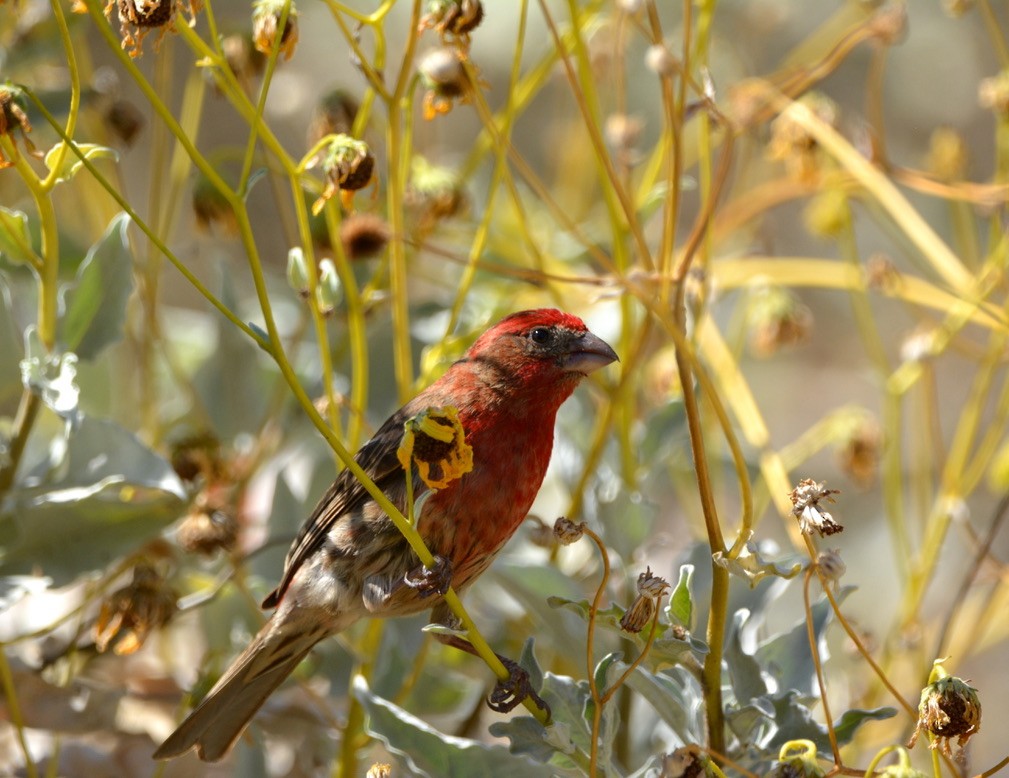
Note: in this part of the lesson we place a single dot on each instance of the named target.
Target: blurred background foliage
(276, 221)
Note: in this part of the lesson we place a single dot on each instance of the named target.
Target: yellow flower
(435, 441)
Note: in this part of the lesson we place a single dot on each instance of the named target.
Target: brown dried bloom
(124, 120)
(13, 117)
(567, 532)
(806, 508)
(791, 142)
(348, 164)
(334, 114)
(131, 613)
(211, 207)
(207, 530)
(266, 15)
(881, 274)
(363, 235)
(138, 17)
(860, 450)
(242, 56)
(435, 193)
(651, 589)
(777, 319)
(949, 708)
(453, 20)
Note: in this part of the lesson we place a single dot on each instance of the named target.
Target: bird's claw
(430, 580)
(510, 693)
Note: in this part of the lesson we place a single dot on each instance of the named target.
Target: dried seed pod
(266, 16)
(948, 708)
(130, 614)
(206, 531)
(363, 235)
(453, 20)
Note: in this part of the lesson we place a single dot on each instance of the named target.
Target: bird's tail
(216, 723)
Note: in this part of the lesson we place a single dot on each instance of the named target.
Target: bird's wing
(378, 459)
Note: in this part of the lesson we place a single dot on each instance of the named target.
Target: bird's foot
(510, 693)
(430, 580)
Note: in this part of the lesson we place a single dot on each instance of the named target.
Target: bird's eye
(541, 336)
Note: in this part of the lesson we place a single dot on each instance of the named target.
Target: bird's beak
(589, 353)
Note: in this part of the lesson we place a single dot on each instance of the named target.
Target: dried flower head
(435, 441)
(859, 452)
(124, 120)
(949, 708)
(242, 57)
(211, 207)
(567, 532)
(453, 20)
(435, 193)
(993, 93)
(348, 164)
(806, 508)
(776, 319)
(444, 78)
(131, 613)
(138, 17)
(379, 770)
(334, 115)
(651, 589)
(207, 530)
(363, 235)
(13, 116)
(791, 142)
(881, 274)
(266, 16)
(197, 456)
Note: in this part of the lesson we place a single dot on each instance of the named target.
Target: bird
(349, 560)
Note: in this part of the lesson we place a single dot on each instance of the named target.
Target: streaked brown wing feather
(378, 459)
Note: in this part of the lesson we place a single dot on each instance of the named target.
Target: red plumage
(349, 560)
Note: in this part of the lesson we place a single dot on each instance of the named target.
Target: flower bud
(660, 60)
(831, 564)
(445, 79)
(651, 589)
(297, 271)
(329, 292)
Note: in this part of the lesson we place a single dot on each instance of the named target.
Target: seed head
(266, 16)
(806, 508)
(567, 532)
(949, 708)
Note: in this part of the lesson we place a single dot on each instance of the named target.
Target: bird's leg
(507, 694)
(430, 580)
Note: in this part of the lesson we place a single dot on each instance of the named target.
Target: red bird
(349, 560)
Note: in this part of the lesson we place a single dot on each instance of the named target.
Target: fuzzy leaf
(71, 163)
(100, 493)
(676, 699)
(15, 239)
(53, 377)
(744, 670)
(96, 304)
(424, 751)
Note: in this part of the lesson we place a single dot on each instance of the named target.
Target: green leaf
(100, 494)
(72, 163)
(15, 239)
(676, 698)
(680, 609)
(96, 304)
(744, 670)
(848, 724)
(424, 751)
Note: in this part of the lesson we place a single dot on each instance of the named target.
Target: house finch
(349, 560)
